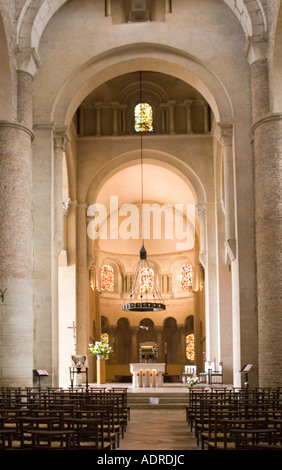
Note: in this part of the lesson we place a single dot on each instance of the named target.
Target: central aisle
(158, 429)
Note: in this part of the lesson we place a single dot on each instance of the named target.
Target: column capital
(255, 50)
(225, 134)
(98, 104)
(27, 60)
(188, 103)
(201, 210)
(115, 104)
(171, 104)
(66, 206)
(61, 139)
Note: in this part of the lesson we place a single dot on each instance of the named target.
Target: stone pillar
(123, 111)
(163, 108)
(206, 118)
(108, 8)
(267, 132)
(268, 177)
(211, 283)
(202, 215)
(135, 346)
(182, 353)
(81, 119)
(188, 104)
(159, 330)
(226, 136)
(60, 144)
(82, 279)
(98, 107)
(171, 106)
(16, 246)
(115, 108)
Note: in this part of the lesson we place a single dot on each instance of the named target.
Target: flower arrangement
(100, 349)
(193, 380)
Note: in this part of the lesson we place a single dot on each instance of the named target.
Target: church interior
(140, 206)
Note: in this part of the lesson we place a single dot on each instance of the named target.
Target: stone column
(108, 8)
(16, 245)
(60, 144)
(225, 138)
(268, 177)
(159, 330)
(82, 279)
(81, 119)
(267, 132)
(188, 104)
(182, 352)
(98, 107)
(134, 340)
(206, 118)
(163, 108)
(211, 283)
(201, 212)
(123, 108)
(115, 108)
(171, 106)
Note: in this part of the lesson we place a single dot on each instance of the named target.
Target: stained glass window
(186, 277)
(107, 278)
(146, 280)
(190, 347)
(143, 118)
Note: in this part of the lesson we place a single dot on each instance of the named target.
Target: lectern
(40, 373)
(246, 369)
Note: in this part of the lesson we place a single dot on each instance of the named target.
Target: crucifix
(73, 327)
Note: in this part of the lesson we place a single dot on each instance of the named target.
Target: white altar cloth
(148, 374)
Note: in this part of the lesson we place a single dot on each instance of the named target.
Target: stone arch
(160, 158)
(148, 333)
(189, 324)
(35, 16)
(153, 57)
(123, 340)
(171, 339)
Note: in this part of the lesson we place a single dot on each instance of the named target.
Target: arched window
(143, 118)
(146, 280)
(107, 278)
(190, 347)
(186, 277)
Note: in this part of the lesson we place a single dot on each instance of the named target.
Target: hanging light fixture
(144, 295)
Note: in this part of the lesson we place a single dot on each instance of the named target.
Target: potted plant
(193, 381)
(100, 349)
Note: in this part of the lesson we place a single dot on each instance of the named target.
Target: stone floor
(158, 429)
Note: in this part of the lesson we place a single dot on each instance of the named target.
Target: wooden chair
(87, 434)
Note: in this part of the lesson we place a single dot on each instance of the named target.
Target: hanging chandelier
(144, 295)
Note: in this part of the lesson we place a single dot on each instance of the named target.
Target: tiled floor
(158, 429)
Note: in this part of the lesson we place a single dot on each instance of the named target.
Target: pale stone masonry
(69, 85)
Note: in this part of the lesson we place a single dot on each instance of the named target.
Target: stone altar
(146, 374)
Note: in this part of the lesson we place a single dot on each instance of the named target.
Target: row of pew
(236, 418)
(62, 419)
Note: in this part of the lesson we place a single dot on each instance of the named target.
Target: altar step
(157, 400)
